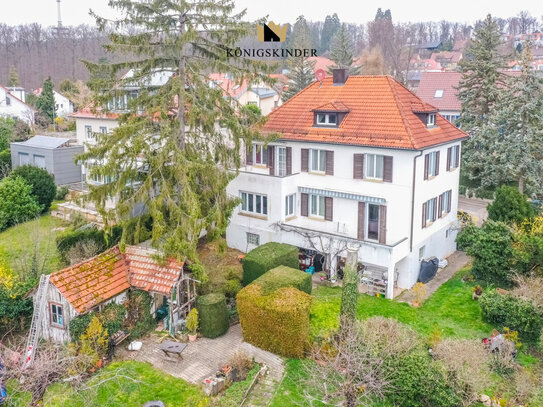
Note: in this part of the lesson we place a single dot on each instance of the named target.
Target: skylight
(439, 93)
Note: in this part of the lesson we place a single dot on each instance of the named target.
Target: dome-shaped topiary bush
(213, 315)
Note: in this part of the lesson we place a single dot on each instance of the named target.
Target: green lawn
(127, 384)
(17, 243)
(450, 309)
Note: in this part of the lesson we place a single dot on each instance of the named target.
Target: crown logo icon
(272, 32)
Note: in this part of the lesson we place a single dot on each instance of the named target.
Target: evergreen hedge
(284, 276)
(266, 257)
(213, 315)
(274, 311)
(103, 240)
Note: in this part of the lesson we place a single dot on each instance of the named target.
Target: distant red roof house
(94, 281)
(439, 90)
(447, 58)
(321, 63)
(89, 112)
(380, 112)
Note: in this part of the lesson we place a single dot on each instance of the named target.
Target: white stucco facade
(403, 198)
(12, 106)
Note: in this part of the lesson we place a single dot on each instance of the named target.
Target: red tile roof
(445, 81)
(89, 112)
(382, 114)
(101, 278)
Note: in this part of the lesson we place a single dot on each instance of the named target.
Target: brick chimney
(340, 76)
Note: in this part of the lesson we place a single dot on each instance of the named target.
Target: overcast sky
(75, 12)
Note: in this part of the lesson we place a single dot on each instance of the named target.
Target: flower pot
(192, 338)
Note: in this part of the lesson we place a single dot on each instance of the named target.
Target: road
(475, 207)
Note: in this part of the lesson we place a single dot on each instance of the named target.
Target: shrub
(112, 317)
(509, 206)
(267, 257)
(283, 276)
(466, 363)
(232, 287)
(79, 325)
(192, 321)
(491, 247)
(101, 239)
(42, 183)
(242, 363)
(278, 322)
(15, 307)
(139, 319)
(61, 193)
(213, 315)
(417, 382)
(17, 203)
(94, 342)
(512, 312)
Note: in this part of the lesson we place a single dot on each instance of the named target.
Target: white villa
(359, 161)
(63, 105)
(12, 104)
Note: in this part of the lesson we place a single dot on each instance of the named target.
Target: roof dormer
(330, 114)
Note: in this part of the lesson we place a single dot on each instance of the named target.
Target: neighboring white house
(11, 105)
(359, 161)
(63, 105)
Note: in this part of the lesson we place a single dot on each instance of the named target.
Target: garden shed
(107, 278)
(55, 154)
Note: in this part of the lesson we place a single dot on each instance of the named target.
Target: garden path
(204, 357)
(456, 261)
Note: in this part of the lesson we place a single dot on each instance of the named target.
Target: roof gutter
(413, 199)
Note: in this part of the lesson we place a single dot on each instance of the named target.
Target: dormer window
(326, 119)
(431, 120)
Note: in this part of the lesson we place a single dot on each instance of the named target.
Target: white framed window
(432, 164)
(103, 130)
(445, 203)
(316, 206)
(260, 154)
(455, 151)
(317, 160)
(281, 169)
(88, 133)
(57, 316)
(439, 93)
(290, 205)
(254, 203)
(373, 222)
(422, 251)
(431, 120)
(253, 238)
(430, 210)
(326, 119)
(374, 166)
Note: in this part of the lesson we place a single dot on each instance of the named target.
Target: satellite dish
(320, 74)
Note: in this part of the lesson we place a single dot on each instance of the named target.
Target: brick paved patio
(201, 358)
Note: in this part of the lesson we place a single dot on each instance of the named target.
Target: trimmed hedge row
(283, 276)
(212, 315)
(268, 256)
(512, 312)
(102, 239)
(274, 311)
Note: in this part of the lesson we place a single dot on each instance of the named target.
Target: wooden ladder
(37, 316)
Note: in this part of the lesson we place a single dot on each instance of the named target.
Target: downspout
(413, 200)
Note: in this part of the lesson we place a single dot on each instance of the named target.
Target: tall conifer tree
(46, 101)
(179, 137)
(341, 51)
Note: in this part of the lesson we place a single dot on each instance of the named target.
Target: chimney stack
(340, 76)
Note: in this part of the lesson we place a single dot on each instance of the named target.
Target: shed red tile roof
(87, 284)
(382, 114)
(445, 81)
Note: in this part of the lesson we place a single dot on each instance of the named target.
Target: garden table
(173, 347)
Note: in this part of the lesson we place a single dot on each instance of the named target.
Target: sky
(75, 12)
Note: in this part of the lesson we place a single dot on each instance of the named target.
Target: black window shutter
(426, 165)
(328, 208)
(289, 160)
(457, 163)
(304, 204)
(271, 159)
(329, 170)
(305, 160)
(249, 149)
(387, 168)
(424, 210)
(358, 166)
(361, 219)
(449, 151)
(437, 163)
(382, 224)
